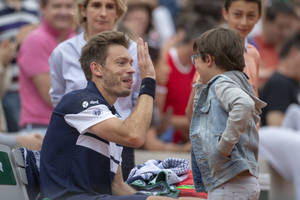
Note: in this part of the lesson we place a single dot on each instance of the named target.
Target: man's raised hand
(144, 61)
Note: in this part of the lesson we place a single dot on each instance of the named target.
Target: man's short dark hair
(229, 2)
(292, 41)
(96, 49)
(224, 45)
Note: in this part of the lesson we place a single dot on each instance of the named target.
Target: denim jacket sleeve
(240, 108)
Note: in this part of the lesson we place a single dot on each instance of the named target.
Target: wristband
(148, 87)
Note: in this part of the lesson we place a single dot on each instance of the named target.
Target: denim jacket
(224, 119)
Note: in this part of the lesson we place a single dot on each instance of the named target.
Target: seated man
(81, 153)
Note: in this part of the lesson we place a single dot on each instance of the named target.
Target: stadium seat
(13, 177)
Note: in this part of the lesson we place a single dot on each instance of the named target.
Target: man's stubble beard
(110, 84)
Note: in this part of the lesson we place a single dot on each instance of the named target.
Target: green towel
(157, 186)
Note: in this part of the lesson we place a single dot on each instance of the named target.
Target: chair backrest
(12, 174)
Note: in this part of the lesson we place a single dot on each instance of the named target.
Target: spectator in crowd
(207, 8)
(138, 18)
(277, 25)
(182, 71)
(85, 162)
(174, 7)
(13, 16)
(282, 89)
(32, 141)
(57, 25)
(66, 75)
(241, 16)
(6, 54)
(226, 110)
(163, 19)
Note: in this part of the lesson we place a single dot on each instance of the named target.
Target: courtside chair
(13, 179)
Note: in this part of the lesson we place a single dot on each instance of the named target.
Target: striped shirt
(73, 160)
(11, 20)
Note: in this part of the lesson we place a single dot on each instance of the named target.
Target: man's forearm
(139, 121)
(132, 131)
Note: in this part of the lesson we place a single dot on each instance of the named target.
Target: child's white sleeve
(240, 108)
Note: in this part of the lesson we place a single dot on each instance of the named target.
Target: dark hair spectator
(229, 2)
(282, 88)
(292, 42)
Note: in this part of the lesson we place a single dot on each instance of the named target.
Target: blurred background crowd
(31, 29)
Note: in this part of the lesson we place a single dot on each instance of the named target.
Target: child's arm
(240, 108)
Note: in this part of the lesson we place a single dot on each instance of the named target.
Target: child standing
(240, 15)
(223, 128)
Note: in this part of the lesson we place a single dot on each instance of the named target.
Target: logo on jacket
(94, 102)
(97, 112)
(85, 104)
